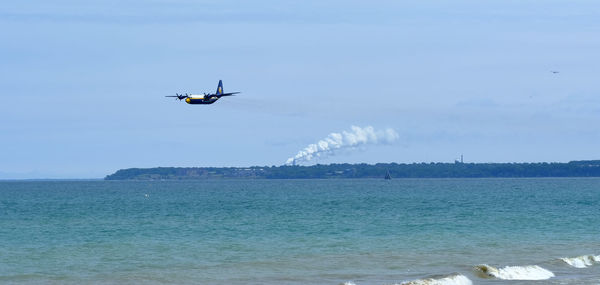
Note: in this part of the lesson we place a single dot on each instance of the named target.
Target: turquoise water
(301, 231)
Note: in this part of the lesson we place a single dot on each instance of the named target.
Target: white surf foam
(348, 283)
(582, 261)
(529, 272)
(455, 279)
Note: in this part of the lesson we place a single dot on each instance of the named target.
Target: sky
(82, 83)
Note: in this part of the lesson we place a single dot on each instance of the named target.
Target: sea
(331, 232)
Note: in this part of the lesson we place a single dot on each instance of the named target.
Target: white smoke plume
(337, 141)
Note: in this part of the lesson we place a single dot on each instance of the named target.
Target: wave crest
(455, 279)
(581, 261)
(530, 272)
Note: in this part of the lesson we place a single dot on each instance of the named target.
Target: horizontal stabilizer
(228, 94)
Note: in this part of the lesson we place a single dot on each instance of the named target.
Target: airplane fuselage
(200, 100)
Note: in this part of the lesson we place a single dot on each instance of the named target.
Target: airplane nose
(187, 100)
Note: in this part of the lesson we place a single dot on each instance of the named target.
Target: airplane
(204, 98)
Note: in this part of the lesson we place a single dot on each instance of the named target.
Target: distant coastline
(583, 168)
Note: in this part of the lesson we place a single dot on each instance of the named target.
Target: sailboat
(387, 175)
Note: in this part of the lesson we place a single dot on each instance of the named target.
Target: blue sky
(83, 82)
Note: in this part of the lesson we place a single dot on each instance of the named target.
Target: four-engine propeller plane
(204, 98)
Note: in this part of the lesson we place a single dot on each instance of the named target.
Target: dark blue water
(300, 231)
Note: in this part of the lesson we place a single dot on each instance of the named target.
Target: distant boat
(387, 175)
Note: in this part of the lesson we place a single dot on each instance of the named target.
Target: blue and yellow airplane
(204, 98)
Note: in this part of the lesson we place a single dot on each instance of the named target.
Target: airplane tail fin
(220, 88)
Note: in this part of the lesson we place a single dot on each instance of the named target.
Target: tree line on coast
(588, 168)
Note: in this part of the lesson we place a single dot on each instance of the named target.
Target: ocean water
(403, 231)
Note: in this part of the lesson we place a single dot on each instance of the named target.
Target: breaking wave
(581, 261)
(455, 279)
(530, 272)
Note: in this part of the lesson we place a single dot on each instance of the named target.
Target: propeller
(179, 96)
